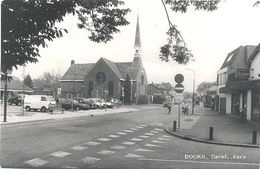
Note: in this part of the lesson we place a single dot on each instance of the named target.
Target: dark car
(17, 100)
(73, 104)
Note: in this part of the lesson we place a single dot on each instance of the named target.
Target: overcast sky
(210, 36)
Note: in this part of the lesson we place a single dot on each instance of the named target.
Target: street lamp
(192, 89)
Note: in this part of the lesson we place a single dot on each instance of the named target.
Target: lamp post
(193, 88)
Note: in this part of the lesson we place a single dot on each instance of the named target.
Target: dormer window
(229, 57)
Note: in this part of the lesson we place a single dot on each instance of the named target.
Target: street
(127, 140)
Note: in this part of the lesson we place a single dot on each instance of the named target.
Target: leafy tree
(28, 24)
(204, 86)
(28, 81)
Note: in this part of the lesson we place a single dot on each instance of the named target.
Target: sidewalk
(226, 130)
(19, 117)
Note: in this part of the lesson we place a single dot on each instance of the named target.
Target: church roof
(77, 71)
(121, 69)
(137, 36)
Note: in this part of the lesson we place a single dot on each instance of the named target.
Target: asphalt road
(127, 140)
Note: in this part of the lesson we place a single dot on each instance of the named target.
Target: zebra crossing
(108, 151)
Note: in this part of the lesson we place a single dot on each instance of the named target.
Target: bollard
(211, 133)
(62, 111)
(51, 111)
(254, 139)
(174, 125)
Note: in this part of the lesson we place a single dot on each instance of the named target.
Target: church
(106, 79)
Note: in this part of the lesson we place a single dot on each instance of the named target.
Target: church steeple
(137, 45)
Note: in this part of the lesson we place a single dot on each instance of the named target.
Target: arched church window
(142, 79)
(90, 87)
(110, 88)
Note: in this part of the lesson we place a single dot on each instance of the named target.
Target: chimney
(72, 62)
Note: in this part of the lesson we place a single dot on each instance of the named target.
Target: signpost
(179, 88)
(242, 73)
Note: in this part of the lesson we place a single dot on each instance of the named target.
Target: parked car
(96, 102)
(39, 102)
(108, 104)
(116, 102)
(73, 104)
(15, 100)
(85, 101)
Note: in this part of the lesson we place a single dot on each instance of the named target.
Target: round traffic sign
(179, 78)
(179, 88)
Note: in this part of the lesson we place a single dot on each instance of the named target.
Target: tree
(29, 24)
(28, 81)
(50, 80)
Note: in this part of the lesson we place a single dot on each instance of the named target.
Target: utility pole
(193, 89)
(5, 97)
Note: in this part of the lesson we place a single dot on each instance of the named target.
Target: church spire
(137, 45)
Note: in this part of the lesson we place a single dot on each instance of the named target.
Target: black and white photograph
(130, 84)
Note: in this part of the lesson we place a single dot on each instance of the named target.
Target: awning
(243, 85)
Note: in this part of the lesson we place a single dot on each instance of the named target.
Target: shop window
(256, 106)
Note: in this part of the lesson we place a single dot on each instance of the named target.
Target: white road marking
(154, 131)
(92, 143)
(68, 167)
(90, 160)
(143, 125)
(158, 129)
(166, 136)
(78, 148)
(128, 131)
(144, 136)
(139, 127)
(166, 139)
(104, 139)
(121, 133)
(60, 154)
(200, 162)
(135, 129)
(106, 152)
(136, 139)
(128, 143)
(36, 162)
(156, 141)
(149, 134)
(133, 156)
(117, 147)
(113, 136)
(151, 145)
(145, 150)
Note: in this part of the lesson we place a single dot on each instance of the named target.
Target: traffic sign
(179, 78)
(179, 88)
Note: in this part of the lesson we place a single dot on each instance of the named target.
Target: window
(69, 96)
(90, 87)
(43, 99)
(229, 57)
(79, 95)
(110, 88)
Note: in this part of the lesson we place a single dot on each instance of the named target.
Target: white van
(39, 102)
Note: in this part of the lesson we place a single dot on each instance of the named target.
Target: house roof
(77, 71)
(238, 57)
(16, 85)
(251, 58)
(163, 86)
(121, 69)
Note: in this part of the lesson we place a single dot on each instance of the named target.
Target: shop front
(255, 105)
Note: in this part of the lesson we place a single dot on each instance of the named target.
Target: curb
(210, 142)
(64, 118)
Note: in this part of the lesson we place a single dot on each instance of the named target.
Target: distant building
(239, 83)
(106, 79)
(163, 90)
(14, 87)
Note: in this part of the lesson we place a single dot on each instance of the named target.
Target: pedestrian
(169, 108)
